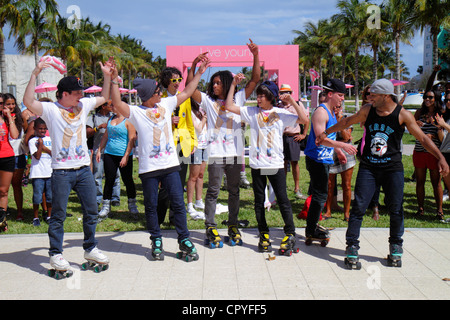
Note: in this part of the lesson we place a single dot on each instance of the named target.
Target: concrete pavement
(230, 273)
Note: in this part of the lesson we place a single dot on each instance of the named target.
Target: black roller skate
(352, 260)
(321, 234)
(264, 244)
(157, 249)
(188, 251)
(3, 221)
(234, 236)
(287, 246)
(394, 259)
(213, 239)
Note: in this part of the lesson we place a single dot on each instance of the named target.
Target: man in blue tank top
(381, 165)
(320, 157)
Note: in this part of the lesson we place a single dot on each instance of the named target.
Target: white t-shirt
(67, 127)
(201, 135)
(224, 127)
(41, 168)
(154, 127)
(266, 135)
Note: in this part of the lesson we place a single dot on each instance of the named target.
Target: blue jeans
(172, 183)
(367, 183)
(82, 182)
(318, 189)
(41, 185)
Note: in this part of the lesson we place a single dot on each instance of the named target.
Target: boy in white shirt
(41, 169)
(267, 124)
(158, 160)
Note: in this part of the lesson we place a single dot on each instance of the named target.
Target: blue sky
(206, 22)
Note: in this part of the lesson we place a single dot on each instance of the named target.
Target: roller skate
(155, 152)
(188, 251)
(79, 152)
(3, 221)
(96, 261)
(321, 235)
(394, 258)
(157, 249)
(213, 239)
(352, 260)
(61, 268)
(104, 212)
(287, 246)
(264, 244)
(243, 182)
(63, 155)
(234, 236)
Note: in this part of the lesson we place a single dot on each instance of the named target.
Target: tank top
(117, 139)
(383, 141)
(5, 147)
(321, 153)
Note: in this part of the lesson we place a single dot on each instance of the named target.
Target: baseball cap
(70, 83)
(285, 88)
(382, 86)
(335, 85)
(272, 87)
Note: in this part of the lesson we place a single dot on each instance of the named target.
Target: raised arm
(229, 102)
(256, 72)
(121, 106)
(300, 109)
(197, 96)
(191, 87)
(28, 98)
(107, 70)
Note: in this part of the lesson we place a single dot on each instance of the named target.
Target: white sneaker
(220, 208)
(96, 255)
(196, 215)
(59, 263)
(199, 205)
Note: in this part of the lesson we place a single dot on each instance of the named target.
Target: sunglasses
(428, 97)
(177, 80)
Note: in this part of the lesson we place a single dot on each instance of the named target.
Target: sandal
(440, 215)
(420, 212)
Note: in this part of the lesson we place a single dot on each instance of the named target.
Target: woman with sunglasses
(8, 129)
(423, 160)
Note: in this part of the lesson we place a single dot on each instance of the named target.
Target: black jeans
(110, 165)
(318, 188)
(277, 179)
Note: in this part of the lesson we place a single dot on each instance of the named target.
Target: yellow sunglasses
(177, 80)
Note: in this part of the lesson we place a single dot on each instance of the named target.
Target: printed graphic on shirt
(223, 121)
(71, 116)
(157, 116)
(379, 142)
(266, 132)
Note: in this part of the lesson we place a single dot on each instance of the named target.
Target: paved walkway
(230, 273)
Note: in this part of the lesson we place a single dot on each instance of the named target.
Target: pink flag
(313, 74)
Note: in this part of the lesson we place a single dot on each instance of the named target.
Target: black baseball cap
(335, 85)
(70, 83)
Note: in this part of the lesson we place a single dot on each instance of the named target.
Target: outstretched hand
(238, 78)
(253, 47)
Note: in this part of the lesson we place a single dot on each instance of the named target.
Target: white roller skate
(96, 260)
(61, 268)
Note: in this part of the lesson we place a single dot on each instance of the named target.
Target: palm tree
(402, 18)
(433, 14)
(9, 15)
(352, 19)
(38, 17)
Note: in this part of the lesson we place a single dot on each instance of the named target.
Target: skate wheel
(323, 243)
(308, 242)
(84, 266)
(296, 250)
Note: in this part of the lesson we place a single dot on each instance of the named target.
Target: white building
(18, 72)
(427, 51)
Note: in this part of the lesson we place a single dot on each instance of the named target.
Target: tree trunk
(357, 78)
(397, 60)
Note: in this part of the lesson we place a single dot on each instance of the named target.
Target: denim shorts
(199, 156)
(41, 185)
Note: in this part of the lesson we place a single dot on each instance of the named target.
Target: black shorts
(291, 148)
(8, 164)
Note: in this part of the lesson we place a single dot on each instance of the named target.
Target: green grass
(121, 222)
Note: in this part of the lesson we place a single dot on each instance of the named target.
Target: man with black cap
(158, 160)
(319, 158)
(381, 164)
(66, 121)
